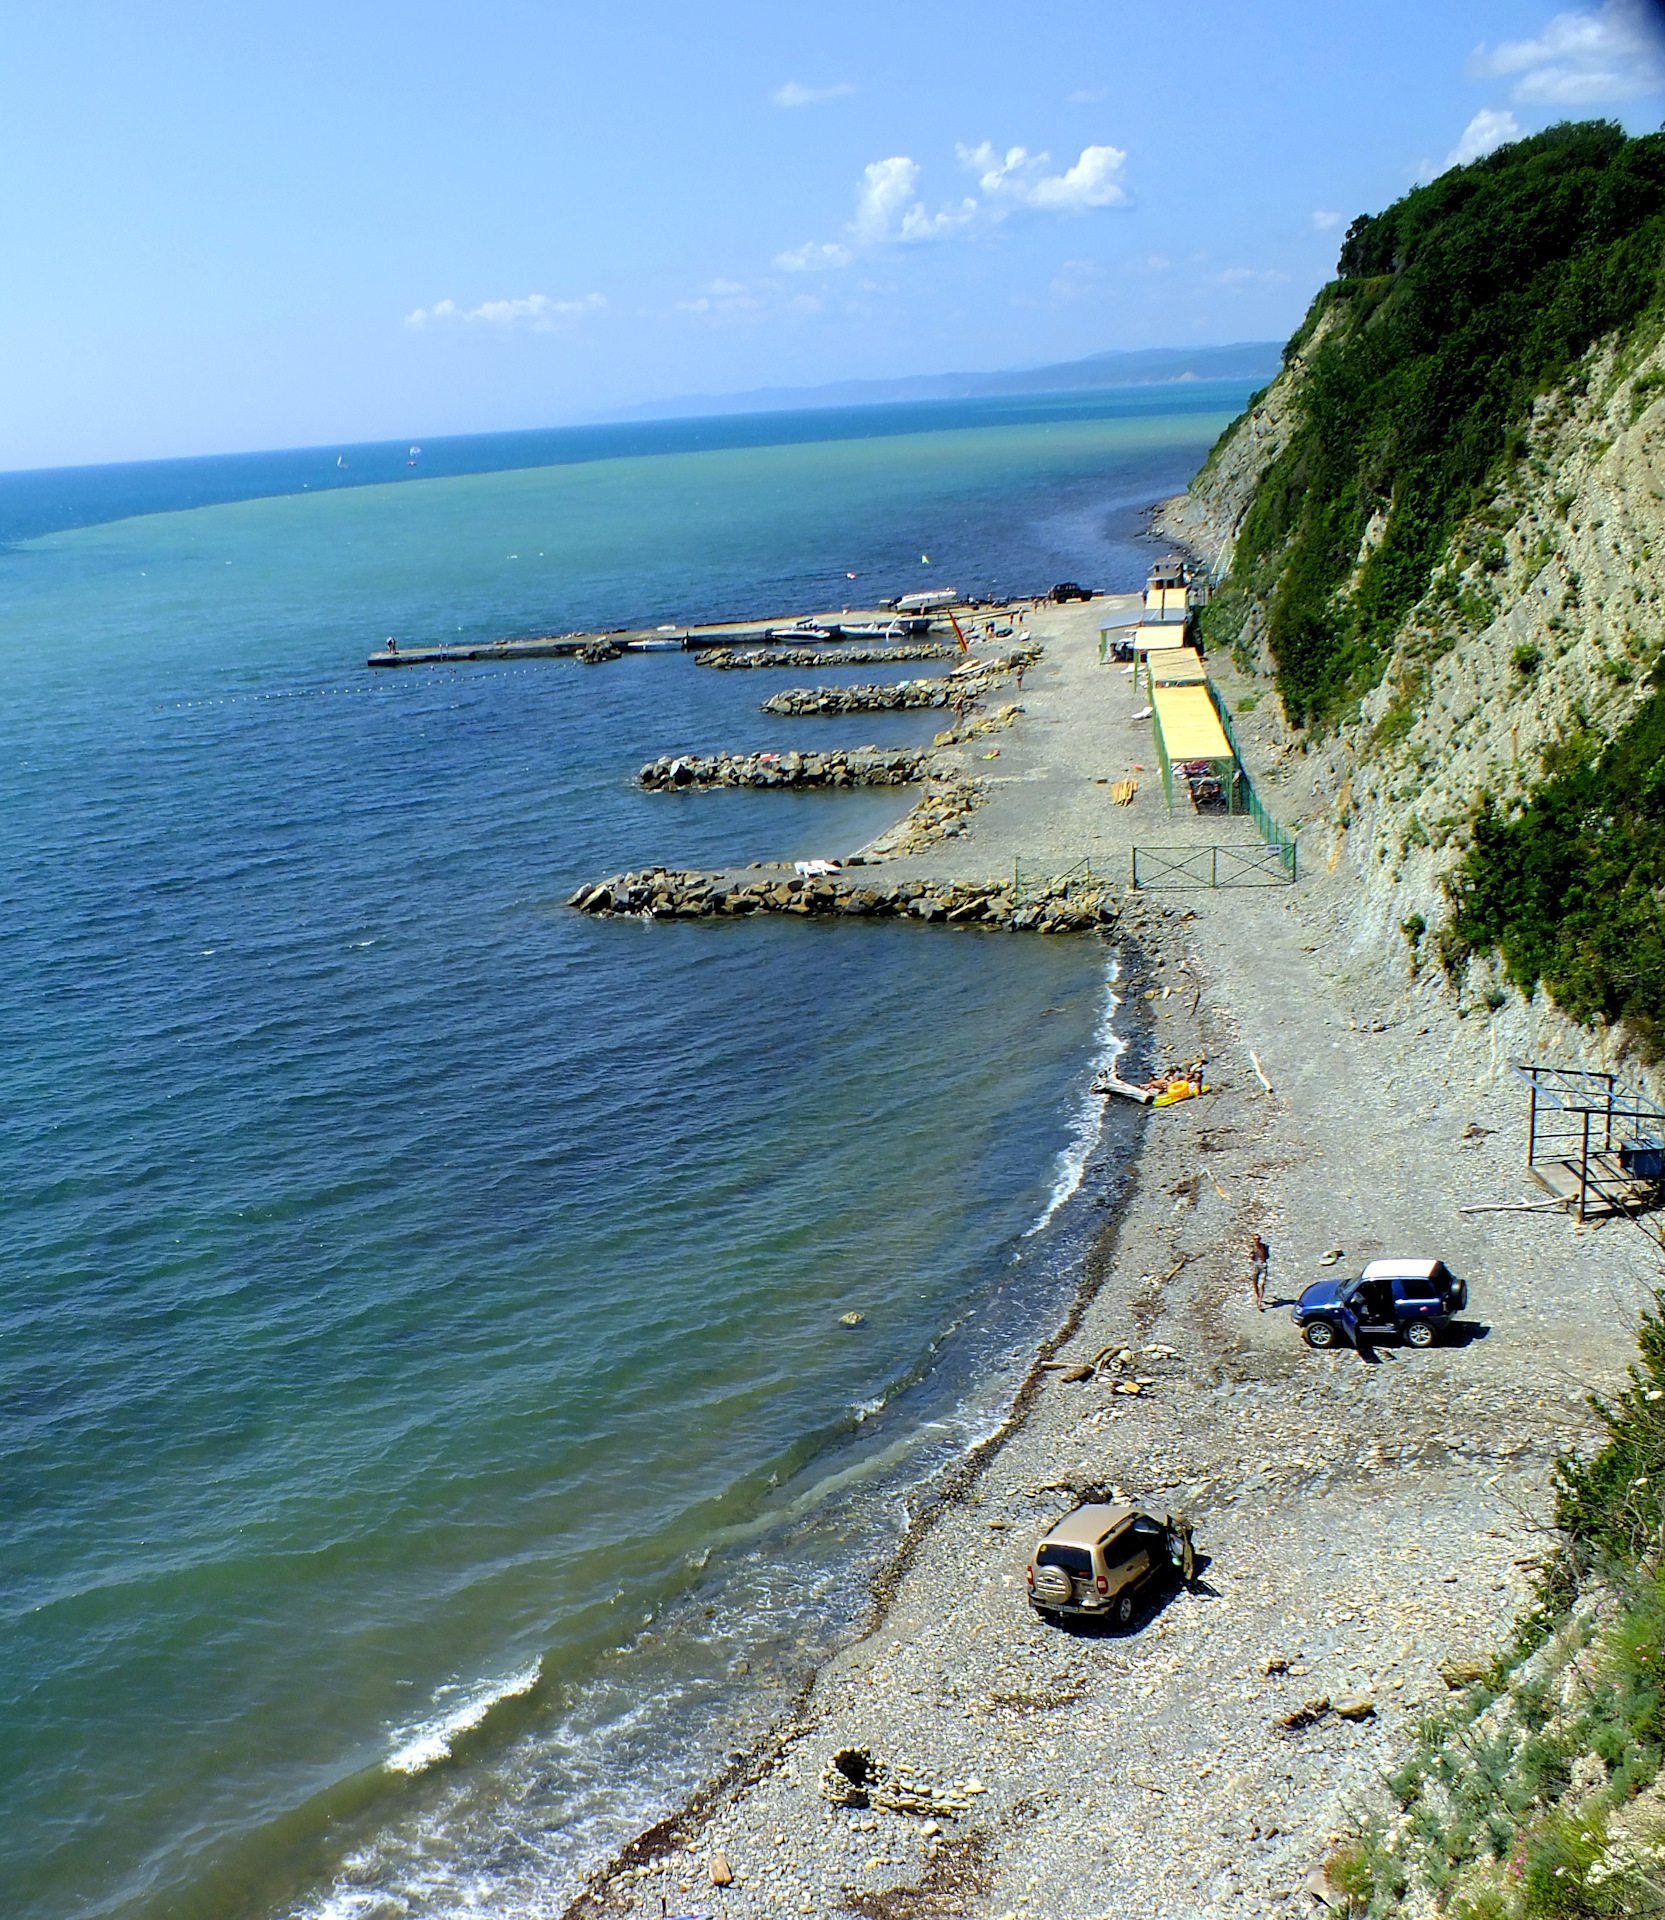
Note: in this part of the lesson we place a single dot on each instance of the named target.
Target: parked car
(1392, 1299)
(1097, 1561)
(1068, 590)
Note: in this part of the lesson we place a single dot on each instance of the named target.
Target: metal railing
(1080, 874)
(1273, 834)
(1604, 1134)
(1213, 866)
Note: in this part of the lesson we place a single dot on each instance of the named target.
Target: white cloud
(796, 94)
(890, 212)
(1077, 279)
(1019, 178)
(1087, 96)
(536, 313)
(721, 296)
(1490, 128)
(1324, 218)
(1583, 58)
(882, 198)
(1094, 181)
(731, 303)
(814, 256)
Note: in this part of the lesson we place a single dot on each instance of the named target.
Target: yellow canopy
(1166, 603)
(1190, 727)
(1148, 636)
(1175, 667)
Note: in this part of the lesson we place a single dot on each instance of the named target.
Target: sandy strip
(1364, 1522)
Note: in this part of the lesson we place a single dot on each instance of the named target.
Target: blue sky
(248, 226)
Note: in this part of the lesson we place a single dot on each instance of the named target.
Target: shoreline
(928, 1499)
(969, 1681)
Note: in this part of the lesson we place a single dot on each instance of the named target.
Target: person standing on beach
(1259, 1255)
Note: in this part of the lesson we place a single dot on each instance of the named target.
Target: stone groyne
(940, 813)
(826, 656)
(880, 697)
(862, 768)
(1047, 906)
(963, 686)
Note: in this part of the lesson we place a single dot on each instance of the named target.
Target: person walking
(1259, 1255)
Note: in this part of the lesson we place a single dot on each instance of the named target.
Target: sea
(430, 1442)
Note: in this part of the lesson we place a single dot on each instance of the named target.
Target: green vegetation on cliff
(1568, 891)
(1454, 309)
(1534, 1795)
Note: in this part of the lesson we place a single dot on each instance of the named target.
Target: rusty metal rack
(1592, 1142)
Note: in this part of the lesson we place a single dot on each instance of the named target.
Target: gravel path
(1365, 1519)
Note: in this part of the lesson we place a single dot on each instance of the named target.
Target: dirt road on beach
(1365, 1520)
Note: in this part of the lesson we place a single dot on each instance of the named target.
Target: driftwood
(1259, 1075)
(1516, 1206)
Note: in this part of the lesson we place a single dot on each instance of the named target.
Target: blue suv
(1392, 1299)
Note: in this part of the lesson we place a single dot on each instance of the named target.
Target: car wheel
(1124, 1609)
(1319, 1334)
(1419, 1334)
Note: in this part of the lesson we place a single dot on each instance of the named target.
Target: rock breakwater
(880, 697)
(865, 767)
(940, 813)
(1047, 906)
(964, 685)
(826, 656)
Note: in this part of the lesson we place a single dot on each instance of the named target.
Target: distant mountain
(1246, 360)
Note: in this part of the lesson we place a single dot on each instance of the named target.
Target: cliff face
(1207, 519)
(1539, 624)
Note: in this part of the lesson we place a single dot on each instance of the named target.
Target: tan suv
(1096, 1561)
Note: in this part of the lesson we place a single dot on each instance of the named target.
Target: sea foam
(1109, 1046)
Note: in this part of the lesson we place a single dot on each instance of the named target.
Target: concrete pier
(817, 631)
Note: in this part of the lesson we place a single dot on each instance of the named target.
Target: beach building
(1167, 618)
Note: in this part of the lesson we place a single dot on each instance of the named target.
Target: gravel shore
(1364, 1520)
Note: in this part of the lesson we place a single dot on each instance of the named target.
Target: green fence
(1218, 866)
(1274, 835)
(1081, 874)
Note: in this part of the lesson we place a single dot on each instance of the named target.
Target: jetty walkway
(889, 630)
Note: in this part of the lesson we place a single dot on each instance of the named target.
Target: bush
(1611, 1505)
(1568, 890)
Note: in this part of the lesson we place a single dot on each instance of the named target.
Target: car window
(1420, 1290)
(1071, 1559)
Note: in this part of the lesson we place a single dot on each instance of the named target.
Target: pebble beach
(1367, 1524)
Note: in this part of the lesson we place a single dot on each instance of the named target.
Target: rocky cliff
(1526, 641)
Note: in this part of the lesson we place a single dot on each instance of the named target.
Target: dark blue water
(421, 1378)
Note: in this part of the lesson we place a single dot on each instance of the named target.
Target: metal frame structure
(1254, 865)
(1592, 1142)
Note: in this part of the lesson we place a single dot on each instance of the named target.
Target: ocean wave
(424, 1746)
(1109, 1046)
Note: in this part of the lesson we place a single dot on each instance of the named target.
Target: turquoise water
(430, 1440)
